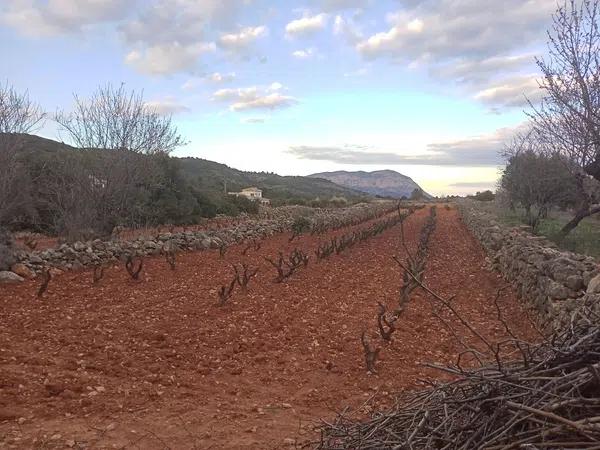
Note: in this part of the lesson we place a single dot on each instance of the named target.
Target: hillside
(385, 183)
(210, 176)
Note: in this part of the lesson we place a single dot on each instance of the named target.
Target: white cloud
(476, 151)
(347, 29)
(181, 26)
(511, 92)
(306, 25)
(449, 31)
(55, 17)
(304, 54)
(166, 106)
(338, 5)
(253, 120)
(221, 77)
(255, 97)
(239, 42)
(215, 77)
(167, 59)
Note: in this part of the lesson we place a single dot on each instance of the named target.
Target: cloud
(254, 120)
(339, 5)
(54, 17)
(306, 25)
(215, 78)
(476, 151)
(183, 27)
(363, 71)
(347, 30)
(166, 106)
(511, 92)
(475, 72)
(460, 28)
(242, 40)
(168, 58)
(255, 98)
(304, 54)
(461, 40)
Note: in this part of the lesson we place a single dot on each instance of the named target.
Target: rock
(10, 277)
(23, 271)
(594, 285)
(574, 282)
(35, 259)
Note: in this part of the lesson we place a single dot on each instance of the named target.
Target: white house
(252, 193)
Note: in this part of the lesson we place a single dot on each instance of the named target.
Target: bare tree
(568, 118)
(123, 143)
(19, 115)
(114, 119)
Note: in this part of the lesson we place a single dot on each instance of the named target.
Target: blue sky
(431, 88)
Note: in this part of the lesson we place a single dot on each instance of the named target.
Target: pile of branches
(541, 396)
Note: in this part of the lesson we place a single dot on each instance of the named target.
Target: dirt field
(156, 364)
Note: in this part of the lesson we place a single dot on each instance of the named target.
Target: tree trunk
(572, 224)
(579, 216)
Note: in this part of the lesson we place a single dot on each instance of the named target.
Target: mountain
(212, 176)
(384, 183)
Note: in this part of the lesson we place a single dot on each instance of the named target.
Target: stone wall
(82, 254)
(554, 282)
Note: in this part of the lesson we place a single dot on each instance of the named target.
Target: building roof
(253, 188)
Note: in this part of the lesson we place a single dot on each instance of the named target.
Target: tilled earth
(155, 363)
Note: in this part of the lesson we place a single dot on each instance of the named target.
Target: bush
(300, 225)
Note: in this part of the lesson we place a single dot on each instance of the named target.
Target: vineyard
(249, 345)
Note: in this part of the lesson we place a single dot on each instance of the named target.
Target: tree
(568, 119)
(536, 181)
(485, 196)
(122, 143)
(417, 194)
(19, 115)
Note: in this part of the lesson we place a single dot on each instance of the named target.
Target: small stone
(70, 443)
(55, 437)
(21, 420)
(111, 426)
(23, 271)
(594, 285)
(10, 277)
(289, 441)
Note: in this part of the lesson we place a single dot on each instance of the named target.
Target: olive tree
(536, 180)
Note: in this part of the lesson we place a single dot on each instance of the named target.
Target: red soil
(156, 364)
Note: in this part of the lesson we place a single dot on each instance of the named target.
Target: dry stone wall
(554, 282)
(81, 254)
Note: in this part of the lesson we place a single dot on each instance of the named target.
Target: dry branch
(45, 281)
(132, 270)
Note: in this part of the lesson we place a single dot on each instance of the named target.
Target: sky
(430, 88)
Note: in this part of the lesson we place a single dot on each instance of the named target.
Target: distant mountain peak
(385, 183)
